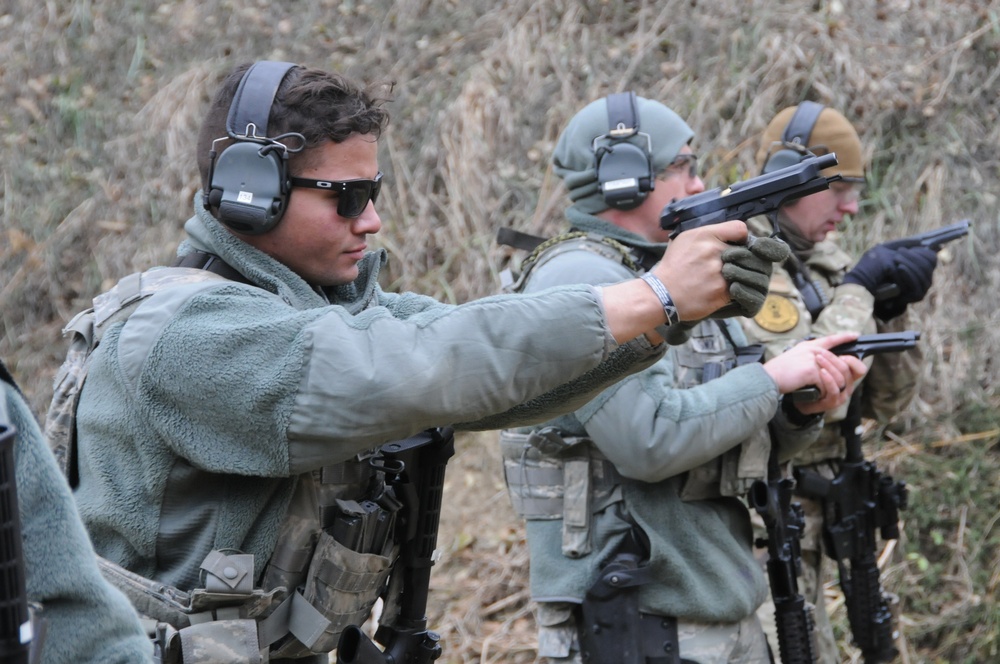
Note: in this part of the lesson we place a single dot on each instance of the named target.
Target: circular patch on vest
(779, 314)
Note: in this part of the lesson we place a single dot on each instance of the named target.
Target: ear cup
(624, 175)
(783, 159)
(249, 187)
(796, 133)
(624, 170)
(248, 183)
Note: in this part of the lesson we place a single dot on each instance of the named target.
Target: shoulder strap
(542, 248)
(519, 240)
(203, 260)
(85, 332)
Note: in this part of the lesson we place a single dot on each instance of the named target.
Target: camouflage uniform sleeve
(850, 310)
(850, 306)
(891, 383)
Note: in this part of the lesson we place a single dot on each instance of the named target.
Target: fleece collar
(206, 233)
(590, 224)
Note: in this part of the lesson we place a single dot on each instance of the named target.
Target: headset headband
(801, 125)
(623, 115)
(251, 106)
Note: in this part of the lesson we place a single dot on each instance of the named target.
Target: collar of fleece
(206, 233)
(590, 224)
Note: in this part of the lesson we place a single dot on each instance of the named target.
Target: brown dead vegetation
(99, 107)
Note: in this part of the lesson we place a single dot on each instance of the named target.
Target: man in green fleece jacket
(85, 618)
(641, 487)
(226, 425)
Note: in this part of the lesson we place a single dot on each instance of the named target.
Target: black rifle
(857, 503)
(784, 521)
(15, 619)
(862, 347)
(415, 474)
(931, 240)
(762, 195)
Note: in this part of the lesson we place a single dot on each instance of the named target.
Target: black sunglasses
(353, 194)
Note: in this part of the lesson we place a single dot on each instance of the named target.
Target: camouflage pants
(705, 643)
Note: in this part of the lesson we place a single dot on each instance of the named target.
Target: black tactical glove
(874, 269)
(914, 270)
(883, 271)
(748, 269)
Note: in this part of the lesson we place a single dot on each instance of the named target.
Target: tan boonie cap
(831, 133)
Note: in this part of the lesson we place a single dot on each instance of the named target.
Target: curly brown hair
(322, 106)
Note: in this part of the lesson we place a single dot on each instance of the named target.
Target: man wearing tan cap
(820, 290)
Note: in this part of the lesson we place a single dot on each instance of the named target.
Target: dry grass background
(99, 108)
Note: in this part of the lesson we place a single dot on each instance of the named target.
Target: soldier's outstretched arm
(691, 272)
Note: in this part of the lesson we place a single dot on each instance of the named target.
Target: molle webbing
(550, 477)
(570, 241)
(621, 250)
(536, 480)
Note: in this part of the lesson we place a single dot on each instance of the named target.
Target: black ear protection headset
(795, 138)
(624, 170)
(248, 182)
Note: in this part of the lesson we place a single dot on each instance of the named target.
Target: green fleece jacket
(201, 409)
(653, 433)
(87, 619)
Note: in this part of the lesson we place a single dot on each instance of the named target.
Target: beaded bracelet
(669, 308)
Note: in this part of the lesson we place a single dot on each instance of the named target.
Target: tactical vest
(709, 354)
(335, 548)
(551, 475)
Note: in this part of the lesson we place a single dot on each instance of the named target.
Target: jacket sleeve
(281, 391)
(892, 383)
(88, 620)
(646, 427)
(650, 430)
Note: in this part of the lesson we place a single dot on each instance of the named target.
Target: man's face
(313, 240)
(817, 214)
(679, 180)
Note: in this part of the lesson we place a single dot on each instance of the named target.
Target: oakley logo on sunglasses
(353, 195)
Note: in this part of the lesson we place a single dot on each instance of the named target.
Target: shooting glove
(748, 270)
(914, 270)
(875, 268)
(883, 270)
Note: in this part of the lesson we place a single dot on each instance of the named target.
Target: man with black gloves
(817, 292)
(640, 546)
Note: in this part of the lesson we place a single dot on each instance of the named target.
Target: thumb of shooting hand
(769, 248)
